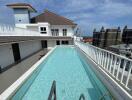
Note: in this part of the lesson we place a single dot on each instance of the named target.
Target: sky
(88, 14)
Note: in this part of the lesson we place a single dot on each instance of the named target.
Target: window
(55, 32)
(65, 42)
(64, 32)
(43, 30)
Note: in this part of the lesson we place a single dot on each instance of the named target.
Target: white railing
(119, 67)
(7, 30)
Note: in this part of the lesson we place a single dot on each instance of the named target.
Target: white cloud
(86, 13)
(96, 13)
(115, 9)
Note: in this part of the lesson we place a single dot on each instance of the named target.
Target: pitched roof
(22, 5)
(53, 19)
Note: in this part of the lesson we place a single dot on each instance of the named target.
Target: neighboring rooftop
(22, 5)
(52, 18)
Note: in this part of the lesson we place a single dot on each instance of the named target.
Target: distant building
(96, 38)
(127, 35)
(124, 49)
(87, 39)
(106, 37)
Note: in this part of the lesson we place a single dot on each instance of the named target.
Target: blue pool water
(72, 74)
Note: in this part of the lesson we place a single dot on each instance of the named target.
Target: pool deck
(11, 75)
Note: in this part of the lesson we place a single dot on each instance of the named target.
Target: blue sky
(88, 14)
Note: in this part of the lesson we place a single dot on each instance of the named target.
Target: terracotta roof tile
(53, 19)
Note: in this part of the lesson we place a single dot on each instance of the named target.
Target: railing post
(101, 58)
(118, 68)
(115, 62)
(129, 73)
(108, 62)
(111, 62)
(123, 70)
(105, 61)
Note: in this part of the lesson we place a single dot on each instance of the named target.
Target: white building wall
(29, 47)
(48, 30)
(70, 30)
(6, 55)
(33, 28)
(21, 16)
(51, 43)
(36, 28)
(70, 42)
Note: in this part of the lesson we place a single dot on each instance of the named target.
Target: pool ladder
(52, 94)
(82, 97)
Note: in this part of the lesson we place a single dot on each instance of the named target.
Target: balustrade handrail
(116, 65)
(120, 56)
(12, 30)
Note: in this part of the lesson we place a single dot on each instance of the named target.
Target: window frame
(55, 32)
(43, 30)
(64, 32)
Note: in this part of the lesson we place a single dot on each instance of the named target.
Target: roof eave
(31, 9)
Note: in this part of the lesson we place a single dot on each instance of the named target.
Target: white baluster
(123, 70)
(114, 67)
(118, 68)
(129, 73)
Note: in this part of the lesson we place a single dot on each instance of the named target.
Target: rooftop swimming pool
(72, 74)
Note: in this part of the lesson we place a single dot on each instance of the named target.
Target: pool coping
(15, 86)
(116, 90)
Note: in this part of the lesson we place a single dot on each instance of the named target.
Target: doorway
(44, 43)
(16, 52)
(65, 42)
(57, 42)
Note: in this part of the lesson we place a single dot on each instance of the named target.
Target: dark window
(65, 42)
(57, 42)
(32, 20)
(64, 32)
(43, 30)
(55, 32)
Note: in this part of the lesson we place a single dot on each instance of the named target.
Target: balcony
(8, 30)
